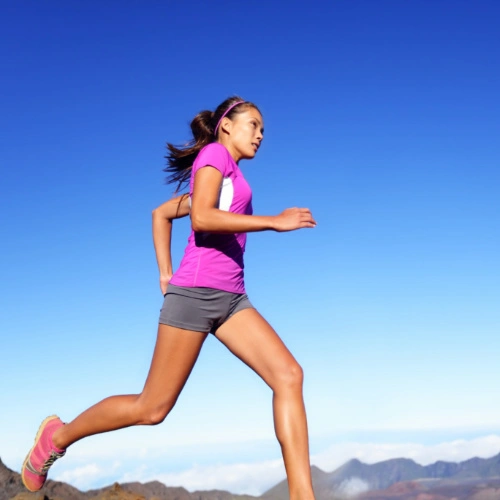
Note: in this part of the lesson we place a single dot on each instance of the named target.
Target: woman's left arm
(163, 216)
(206, 216)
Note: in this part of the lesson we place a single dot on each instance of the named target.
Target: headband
(225, 113)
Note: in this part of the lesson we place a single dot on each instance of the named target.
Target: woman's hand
(292, 219)
(164, 281)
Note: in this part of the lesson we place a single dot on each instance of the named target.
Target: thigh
(253, 340)
(198, 309)
(175, 354)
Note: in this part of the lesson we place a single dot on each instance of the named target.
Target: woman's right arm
(205, 216)
(162, 234)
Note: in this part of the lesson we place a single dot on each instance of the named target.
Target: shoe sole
(37, 437)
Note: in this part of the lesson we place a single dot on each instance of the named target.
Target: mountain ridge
(394, 478)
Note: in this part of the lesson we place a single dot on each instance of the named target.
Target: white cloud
(249, 478)
(80, 475)
(352, 487)
(84, 477)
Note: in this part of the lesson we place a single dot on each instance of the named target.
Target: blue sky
(382, 117)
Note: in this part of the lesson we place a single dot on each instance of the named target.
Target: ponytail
(180, 159)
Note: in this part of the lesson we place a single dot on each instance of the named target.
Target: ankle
(57, 440)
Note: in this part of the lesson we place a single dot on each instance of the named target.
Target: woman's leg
(250, 337)
(174, 356)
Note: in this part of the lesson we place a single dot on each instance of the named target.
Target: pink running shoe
(42, 455)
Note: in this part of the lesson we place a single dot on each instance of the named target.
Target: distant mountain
(355, 477)
(396, 479)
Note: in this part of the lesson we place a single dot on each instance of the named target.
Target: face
(245, 132)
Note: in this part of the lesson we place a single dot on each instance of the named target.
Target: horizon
(367, 463)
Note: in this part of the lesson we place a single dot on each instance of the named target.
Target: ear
(226, 125)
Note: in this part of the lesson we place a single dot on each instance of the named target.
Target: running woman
(205, 295)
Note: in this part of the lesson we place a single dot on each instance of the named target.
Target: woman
(205, 295)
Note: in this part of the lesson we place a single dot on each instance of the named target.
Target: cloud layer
(255, 477)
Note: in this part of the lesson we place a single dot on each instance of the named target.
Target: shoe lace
(48, 464)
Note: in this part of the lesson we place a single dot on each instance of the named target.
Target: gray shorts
(200, 309)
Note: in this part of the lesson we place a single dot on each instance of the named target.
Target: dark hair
(180, 158)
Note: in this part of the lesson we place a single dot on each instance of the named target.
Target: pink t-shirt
(216, 260)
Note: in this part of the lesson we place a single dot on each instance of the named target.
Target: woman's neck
(231, 149)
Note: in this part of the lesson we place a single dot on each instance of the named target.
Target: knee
(291, 376)
(155, 414)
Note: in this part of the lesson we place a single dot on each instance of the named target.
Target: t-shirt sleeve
(213, 155)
